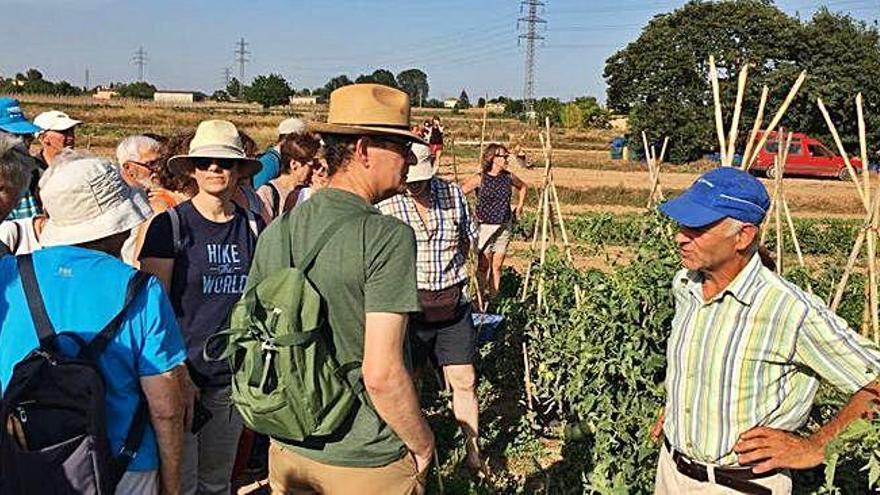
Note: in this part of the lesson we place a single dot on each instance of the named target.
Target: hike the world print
(226, 272)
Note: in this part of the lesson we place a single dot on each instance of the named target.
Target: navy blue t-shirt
(210, 272)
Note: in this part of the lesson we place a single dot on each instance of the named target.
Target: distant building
(105, 94)
(450, 103)
(302, 101)
(495, 107)
(175, 97)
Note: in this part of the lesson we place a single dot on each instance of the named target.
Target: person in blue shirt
(83, 284)
(271, 158)
(13, 122)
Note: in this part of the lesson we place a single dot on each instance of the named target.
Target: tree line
(661, 78)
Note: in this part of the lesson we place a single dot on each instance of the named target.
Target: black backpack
(53, 430)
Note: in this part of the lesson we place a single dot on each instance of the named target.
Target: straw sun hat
(215, 139)
(371, 109)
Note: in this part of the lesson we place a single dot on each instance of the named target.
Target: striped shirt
(753, 356)
(441, 260)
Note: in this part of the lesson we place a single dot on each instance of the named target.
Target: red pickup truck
(806, 157)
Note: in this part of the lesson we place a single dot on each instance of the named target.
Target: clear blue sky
(470, 44)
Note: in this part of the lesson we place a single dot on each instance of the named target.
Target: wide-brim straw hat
(369, 109)
(215, 139)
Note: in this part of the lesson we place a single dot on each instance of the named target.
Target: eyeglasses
(152, 164)
(203, 163)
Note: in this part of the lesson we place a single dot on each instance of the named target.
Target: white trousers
(671, 482)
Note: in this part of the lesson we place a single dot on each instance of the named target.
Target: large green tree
(379, 76)
(268, 91)
(415, 83)
(661, 78)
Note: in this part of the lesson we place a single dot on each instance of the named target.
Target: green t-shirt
(368, 266)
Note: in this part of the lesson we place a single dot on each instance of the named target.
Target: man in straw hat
(443, 331)
(83, 284)
(365, 273)
(746, 353)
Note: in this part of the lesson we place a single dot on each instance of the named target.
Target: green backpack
(285, 381)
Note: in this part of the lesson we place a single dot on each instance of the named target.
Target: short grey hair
(129, 149)
(16, 165)
(734, 226)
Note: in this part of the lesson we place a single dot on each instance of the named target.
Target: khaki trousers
(291, 473)
(671, 482)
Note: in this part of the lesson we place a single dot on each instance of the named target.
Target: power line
(531, 35)
(140, 60)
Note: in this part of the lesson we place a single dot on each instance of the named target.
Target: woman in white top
(298, 154)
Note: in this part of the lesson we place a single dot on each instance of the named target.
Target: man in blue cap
(746, 352)
(13, 121)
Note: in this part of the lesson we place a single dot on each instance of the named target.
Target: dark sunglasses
(202, 163)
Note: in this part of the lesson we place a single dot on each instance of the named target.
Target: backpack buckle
(127, 452)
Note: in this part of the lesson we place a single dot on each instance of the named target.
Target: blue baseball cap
(12, 119)
(720, 193)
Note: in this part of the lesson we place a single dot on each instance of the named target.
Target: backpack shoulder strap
(276, 199)
(174, 217)
(252, 222)
(36, 305)
(100, 342)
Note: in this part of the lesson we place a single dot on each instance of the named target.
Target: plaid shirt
(753, 356)
(441, 257)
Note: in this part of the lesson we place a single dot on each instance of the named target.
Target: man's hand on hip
(766, 449)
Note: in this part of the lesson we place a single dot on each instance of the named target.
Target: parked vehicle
(807, 157)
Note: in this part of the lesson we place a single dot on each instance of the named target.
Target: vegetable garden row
(596, 372)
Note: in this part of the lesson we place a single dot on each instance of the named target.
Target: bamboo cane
(716, 98)
(870, 219)
(872, 234)
(794, 240)
(756, 126)
(778, 117)
(844, 155)
(454, 162)
(483, 131)
(544, 234)
(777, 195)
(734, 126)
(527, 371)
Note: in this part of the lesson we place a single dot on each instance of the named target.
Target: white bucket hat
(424, 167)
(215, 139)
(292, 126)
(54, 120)
(86, 200)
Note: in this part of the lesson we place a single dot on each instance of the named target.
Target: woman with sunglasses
(201, 250)
(494, 188)
(298, 152)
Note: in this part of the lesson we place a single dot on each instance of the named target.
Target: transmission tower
(531, 35)
(140, 60)
(227, 76)
(241, 53)
(87, 85)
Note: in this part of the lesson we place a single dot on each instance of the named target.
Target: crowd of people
(348, 223)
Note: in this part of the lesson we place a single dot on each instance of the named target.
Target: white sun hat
(215, 139)
(55, 120)
(424, 167)
(86, 200)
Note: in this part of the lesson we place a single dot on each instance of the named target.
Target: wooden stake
(756, 126)
(734, 126)
(794, 238)
(842, 151)
(853, 255)
(778, 117)
(716, 98)
(527, 372)
(483, 132)
(872, 234)
(777, 197)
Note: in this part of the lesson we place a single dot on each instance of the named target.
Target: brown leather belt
(739, 479)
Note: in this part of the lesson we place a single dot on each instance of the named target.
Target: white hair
(16, 164)
(129, 149)
(734, 226)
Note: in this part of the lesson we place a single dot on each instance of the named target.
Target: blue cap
(12, 119)
(717, 194)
